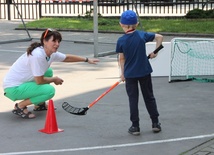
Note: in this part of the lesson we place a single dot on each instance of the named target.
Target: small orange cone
(51, 123)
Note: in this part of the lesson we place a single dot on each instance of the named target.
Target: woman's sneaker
(156, 127)
(134, 130)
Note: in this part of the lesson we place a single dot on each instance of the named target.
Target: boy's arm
(158, 39)
(121, 65)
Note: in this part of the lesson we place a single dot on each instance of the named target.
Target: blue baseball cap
(128, 17)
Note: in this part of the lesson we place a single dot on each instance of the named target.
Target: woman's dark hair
(46, 35)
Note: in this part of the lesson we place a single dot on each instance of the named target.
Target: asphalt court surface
(186, 108)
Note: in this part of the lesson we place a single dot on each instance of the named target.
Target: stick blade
(73, 110)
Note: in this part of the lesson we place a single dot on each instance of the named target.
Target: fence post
(128, 4)
(8, 9)
(40, 8)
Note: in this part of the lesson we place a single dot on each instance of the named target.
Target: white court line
(2, 50)
(109, 146)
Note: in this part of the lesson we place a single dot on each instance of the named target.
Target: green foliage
(181, 25)
(210, 13)
(105, 22)
(89, 14)
(199, 13)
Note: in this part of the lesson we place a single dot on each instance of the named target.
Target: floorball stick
(156, 50)
(82, 111)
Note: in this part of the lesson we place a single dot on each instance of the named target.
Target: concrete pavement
(186, 111)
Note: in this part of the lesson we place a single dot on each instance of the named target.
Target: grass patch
(202, 26)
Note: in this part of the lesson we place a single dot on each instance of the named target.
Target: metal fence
(35, 9)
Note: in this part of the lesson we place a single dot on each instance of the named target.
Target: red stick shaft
(103, 94)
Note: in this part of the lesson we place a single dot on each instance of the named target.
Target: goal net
(192, 59)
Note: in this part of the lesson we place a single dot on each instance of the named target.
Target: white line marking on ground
(2, 50)
(109, 146)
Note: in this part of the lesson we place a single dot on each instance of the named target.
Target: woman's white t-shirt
(26, 67)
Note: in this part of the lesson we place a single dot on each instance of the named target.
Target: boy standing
(135, 68)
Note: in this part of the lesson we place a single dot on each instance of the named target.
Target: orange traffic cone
(51, 123)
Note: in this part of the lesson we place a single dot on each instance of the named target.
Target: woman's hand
(57, 80)
(93, 61)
